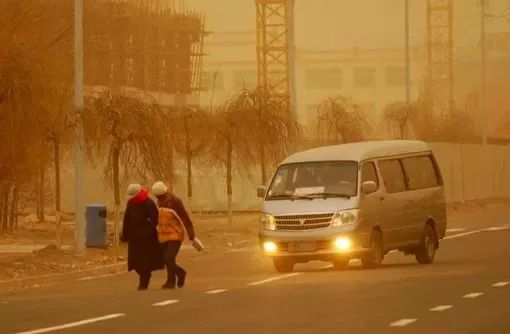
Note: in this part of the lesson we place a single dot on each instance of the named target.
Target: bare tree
(56, 122)
(272, 128)
(191, 129)
(341, 121)
(130, 132)
(397, 116)
(230, 142)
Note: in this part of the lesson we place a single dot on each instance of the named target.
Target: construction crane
(440, 79)
(276, 52)
(276, 49)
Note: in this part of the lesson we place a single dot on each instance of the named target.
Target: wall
(470, 172)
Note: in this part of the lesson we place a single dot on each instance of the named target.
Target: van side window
(393, 175)
(420, 172)
(368, 173)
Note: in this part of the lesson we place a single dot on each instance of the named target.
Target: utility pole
(79, 208)
(408, 57)
(484, 115)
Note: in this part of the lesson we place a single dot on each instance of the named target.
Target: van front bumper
(316, 245)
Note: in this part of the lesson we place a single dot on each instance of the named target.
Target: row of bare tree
(131, 131)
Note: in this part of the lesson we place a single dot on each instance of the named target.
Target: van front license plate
(300, 247)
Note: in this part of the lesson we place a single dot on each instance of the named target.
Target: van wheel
(427, 250)
(340, 264)
(283, 265)
(375, 256)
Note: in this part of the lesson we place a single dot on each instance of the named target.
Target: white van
(358, 200)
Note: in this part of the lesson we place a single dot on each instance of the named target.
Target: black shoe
(168, 286)
(181, 278)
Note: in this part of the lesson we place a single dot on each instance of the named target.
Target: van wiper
(308, 197)
(291, 197)
(331, 195)
(279, 196)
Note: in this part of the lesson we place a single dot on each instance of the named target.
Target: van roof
(359, 151)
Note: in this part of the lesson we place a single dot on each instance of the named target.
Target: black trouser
(145, 278)
(170, 249)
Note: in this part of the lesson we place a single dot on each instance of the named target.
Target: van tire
(426, 252)
(341, 264)
(375, 256)
(283, 265)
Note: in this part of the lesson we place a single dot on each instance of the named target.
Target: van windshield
(315, 179)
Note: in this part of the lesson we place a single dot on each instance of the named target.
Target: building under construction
(145, 45)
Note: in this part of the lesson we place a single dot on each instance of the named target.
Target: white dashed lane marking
(75, 324)
(473, 295)
(465, 234)
(272, 279)
(403, 322)
(89, 278)
(441, 308)
(451, 230)
(215, 292)
(166, 302)
(500, 284)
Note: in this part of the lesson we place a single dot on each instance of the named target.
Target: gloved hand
(199, 246)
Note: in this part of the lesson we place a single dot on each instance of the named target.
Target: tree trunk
(263, 172)
(14, 213)
(116, 191)
(5, 213)
(2, 205)
(189, 157)
(171, 168)
(229, 183)
(40, 193)
(58, 227)
(189, 180)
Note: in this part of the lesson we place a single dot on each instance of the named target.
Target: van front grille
(303, 222)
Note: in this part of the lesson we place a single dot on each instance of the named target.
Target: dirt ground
(212, 229)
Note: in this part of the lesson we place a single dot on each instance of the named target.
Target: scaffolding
(440, 79)
(146, 45)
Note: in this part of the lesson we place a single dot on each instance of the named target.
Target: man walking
(173, 220)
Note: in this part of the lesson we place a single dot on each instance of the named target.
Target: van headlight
(267, 222)
(343, 218)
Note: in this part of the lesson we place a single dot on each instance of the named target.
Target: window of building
(420, 172)
(395, 76)
(369, 173)
(393, 175)
(323, 78)
(213, 81)
(364, 77)
(245, 79)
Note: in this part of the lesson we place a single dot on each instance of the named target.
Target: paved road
(465, 291)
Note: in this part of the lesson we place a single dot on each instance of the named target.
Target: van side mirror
(261, 192)
(368, 187)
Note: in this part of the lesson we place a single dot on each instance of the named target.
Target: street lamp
(79, 208)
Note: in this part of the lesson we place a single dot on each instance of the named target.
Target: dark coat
(139, 231)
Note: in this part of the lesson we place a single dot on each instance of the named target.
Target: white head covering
(159, 188)
(133, 190)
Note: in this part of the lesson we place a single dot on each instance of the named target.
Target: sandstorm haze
(350, 85)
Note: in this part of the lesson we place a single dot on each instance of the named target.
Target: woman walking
(173, 219)
(139, 231)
